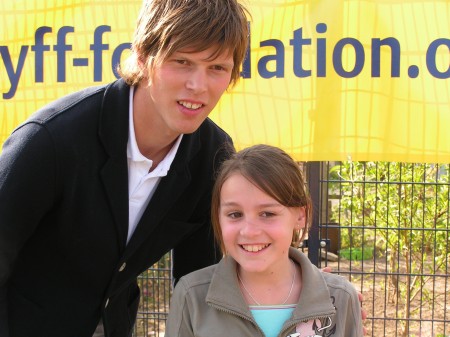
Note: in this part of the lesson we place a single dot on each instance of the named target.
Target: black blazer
(64, 262)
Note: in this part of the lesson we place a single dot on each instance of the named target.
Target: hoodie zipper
(296, 334)
(228, 311)
(282, 332)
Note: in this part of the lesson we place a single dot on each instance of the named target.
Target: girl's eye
(234, 215)
(267, 214)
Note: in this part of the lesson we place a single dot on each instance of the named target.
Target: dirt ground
(428, 313)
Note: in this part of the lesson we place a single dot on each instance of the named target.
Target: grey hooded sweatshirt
(209, 303)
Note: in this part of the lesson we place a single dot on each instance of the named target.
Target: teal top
(271, 318)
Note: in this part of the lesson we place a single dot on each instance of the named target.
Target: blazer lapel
(169, 189)
(113, 132)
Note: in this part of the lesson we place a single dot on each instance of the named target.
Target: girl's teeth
(253, 248)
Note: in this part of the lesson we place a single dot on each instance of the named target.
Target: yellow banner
(325, 79)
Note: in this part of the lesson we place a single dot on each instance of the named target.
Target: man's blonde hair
(167, 26)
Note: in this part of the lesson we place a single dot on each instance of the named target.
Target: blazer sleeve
(27, 191)
(200, 249)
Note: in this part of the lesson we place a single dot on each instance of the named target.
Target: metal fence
(384, 226)
(156, 288)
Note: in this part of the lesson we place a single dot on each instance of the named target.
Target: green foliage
(401, 206)
(403, 209)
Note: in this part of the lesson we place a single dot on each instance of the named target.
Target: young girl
(262, 286)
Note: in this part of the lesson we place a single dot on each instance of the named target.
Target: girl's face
(256, 229)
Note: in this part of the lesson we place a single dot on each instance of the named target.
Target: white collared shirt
(142, 183)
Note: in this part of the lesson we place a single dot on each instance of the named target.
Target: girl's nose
(250, 228)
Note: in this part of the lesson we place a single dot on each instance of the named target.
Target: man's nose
(197, 81)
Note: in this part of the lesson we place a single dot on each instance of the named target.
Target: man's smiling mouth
(193, 106)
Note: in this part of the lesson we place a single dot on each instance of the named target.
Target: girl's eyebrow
(269, 204)
(230, 203)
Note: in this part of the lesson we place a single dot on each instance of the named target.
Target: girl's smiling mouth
(254, 248)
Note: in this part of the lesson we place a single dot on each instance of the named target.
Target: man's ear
(145, 66)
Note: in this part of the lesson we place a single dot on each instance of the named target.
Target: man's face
(185, 88)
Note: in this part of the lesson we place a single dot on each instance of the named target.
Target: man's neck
(152, 142)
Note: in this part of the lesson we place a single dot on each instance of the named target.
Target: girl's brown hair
(273, 171)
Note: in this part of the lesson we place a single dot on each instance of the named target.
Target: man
(97, 186)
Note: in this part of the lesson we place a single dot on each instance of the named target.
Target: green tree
(404, 209)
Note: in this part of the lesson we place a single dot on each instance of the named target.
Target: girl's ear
(300, 224)
(301, 221)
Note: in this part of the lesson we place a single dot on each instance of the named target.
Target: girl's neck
(281, 287)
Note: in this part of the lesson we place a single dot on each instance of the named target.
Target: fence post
(313, 180)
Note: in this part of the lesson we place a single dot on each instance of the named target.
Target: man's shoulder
(92, 97)
(212, 128)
